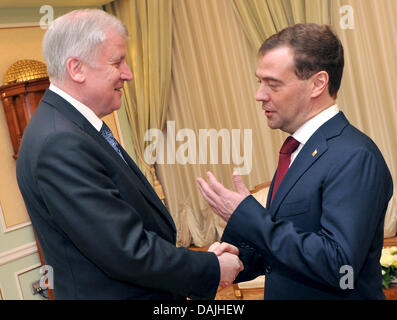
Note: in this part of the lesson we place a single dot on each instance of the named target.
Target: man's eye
(273, 85)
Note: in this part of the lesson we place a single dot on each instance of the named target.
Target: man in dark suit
(100, 224)
(321, 234)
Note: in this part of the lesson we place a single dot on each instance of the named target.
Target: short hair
(77, 34)
(316, 48)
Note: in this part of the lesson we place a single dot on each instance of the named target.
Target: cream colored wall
(16, 44)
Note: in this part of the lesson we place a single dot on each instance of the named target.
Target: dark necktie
(284, 160)
(108, 135)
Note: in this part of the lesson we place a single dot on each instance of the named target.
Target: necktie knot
(289, 146)
(105, 131)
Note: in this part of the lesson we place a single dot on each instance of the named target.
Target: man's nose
(126, 73)
(262, 94)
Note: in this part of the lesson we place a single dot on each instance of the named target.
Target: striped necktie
(108, 135)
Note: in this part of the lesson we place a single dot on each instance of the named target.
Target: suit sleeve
(83, 201)
(253, 262)
(355, 193)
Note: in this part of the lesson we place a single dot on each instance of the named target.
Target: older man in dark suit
(100, 224)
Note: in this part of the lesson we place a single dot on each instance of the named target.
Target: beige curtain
(262, 18)
(213, 87)
(146, 98)
(368, 92)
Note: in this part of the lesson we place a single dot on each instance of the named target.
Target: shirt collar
(82, 108)
(304, 133)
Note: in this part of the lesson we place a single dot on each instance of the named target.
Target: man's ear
(75, 69)
(320, 83)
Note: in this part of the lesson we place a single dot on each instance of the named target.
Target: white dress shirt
(82, 108)
(303, 134)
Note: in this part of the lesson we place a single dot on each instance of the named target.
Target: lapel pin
(314, 153)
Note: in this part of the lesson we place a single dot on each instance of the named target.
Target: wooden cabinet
(20, 100)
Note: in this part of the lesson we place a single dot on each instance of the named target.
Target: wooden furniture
(390, 242)
(261, 186)
(234, 293)
(20, 100)
(391, 293)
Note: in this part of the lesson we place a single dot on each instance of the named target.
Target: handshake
(229, 262)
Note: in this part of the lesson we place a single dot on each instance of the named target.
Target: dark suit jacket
(328, 212)
(100, 224)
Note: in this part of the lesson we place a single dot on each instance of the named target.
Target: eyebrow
(268, 78)
(116, 58)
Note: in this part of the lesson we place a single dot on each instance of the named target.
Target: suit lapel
(269, 194)
(311, 152)
(316, 145)
(150, 195)
(128, 168)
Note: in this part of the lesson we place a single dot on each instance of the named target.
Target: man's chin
(273, 124)
(117, 107)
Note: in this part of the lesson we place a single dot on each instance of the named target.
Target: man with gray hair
(100, 224)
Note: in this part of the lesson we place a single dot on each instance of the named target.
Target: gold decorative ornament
(25, 84)
(314, 153)
(24, 70)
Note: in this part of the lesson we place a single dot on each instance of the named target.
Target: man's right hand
(230, 265)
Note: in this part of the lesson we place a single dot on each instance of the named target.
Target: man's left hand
(222, 200)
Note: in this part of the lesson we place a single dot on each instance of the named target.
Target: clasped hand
(229, 262)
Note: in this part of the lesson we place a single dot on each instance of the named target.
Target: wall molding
(14, 227)
(19, 25)
(17, 226)
(18, 253)
(18, 273)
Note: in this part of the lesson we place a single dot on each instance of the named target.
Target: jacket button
(268, 269)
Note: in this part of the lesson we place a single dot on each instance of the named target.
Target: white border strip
(2, 219)
(17, 226)
(18, 253)
(18, 273)
(19, 25)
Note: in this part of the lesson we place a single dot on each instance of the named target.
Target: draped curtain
(262, 18)
(215, 47)
(213, 87)
(368, 91)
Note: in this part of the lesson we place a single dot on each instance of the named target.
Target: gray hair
(77, 34)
